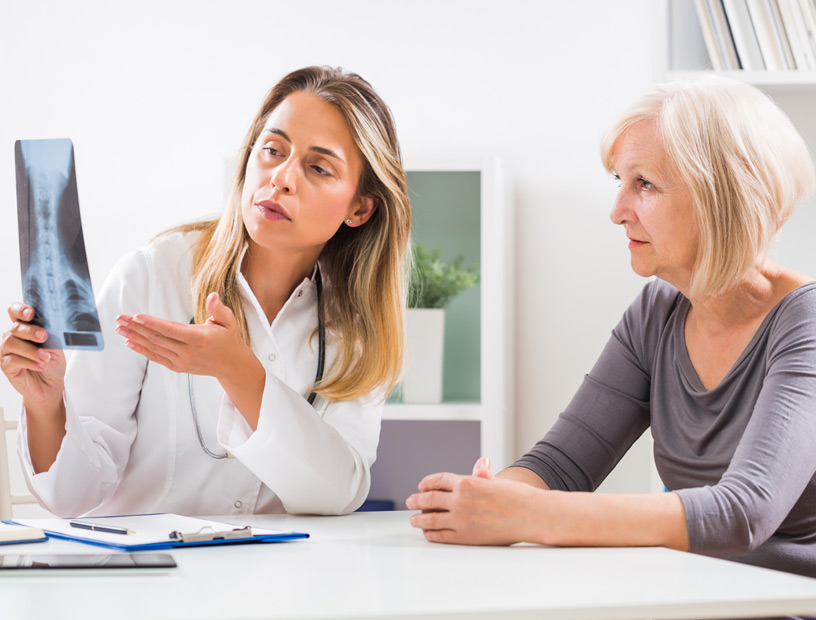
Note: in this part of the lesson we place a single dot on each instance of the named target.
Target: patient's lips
(273, 211)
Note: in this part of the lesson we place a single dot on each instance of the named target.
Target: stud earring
(349, 222)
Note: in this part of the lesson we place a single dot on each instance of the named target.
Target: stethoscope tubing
(321, 360)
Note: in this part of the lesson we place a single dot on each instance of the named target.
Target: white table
(374, 565)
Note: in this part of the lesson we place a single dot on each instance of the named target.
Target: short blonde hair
(741, 159)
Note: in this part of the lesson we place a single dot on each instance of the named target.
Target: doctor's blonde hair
(364, 268)
(741, 159)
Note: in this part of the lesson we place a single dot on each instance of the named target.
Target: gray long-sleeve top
(741, 456)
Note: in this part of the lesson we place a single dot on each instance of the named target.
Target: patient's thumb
(482, 468)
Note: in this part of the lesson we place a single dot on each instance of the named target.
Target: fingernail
(412, 520)
(44, 355)
(28, 312)
(120, 330)
(410, 502)
(136, 319)
(130, 344)
(40, 333)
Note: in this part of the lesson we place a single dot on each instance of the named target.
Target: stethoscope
(321, 358)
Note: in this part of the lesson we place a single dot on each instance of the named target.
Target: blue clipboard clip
(202, 536)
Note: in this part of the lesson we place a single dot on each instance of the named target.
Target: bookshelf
(462, 207)
(684, 52)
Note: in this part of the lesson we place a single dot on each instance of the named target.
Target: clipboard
(159, 531)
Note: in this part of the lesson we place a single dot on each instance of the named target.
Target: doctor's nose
(283, 177)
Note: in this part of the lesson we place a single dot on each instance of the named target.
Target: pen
(100, 528)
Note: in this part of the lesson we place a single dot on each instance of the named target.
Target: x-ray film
(54, 267)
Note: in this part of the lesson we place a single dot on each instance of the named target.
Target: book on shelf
(752, 35)
(808, 8)
(782, 34)
(794, 22)
(768, 35)
(745, 39)
(717, 35)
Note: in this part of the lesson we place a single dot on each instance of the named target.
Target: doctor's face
(654, 207)
(302, 177)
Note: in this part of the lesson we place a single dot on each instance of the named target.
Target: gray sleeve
(776, 457)
(611, 408)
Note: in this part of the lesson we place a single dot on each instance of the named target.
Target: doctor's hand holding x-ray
(38, 374)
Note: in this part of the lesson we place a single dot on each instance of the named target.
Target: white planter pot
(425, 339)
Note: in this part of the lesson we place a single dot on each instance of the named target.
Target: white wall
(155, 94)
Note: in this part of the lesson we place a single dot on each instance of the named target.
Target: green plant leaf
(434, 282)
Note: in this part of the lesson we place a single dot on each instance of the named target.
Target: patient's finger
(432, 521)
(443, 481)
(430, 500)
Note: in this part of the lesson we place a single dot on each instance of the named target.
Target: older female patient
(717, 355)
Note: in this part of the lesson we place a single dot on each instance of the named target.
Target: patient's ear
(362, 211)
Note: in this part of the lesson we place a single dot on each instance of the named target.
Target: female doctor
(254, 351)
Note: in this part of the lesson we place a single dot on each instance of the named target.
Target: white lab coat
(131, 445)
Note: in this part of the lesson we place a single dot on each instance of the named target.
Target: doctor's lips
(273, 211)
(636, 243)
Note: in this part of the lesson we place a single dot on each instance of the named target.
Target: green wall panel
(446, 213)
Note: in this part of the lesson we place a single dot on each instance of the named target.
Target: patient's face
(302, 176)
(654, 207)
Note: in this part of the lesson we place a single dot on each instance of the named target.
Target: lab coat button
(272, 357)
(238, 503)
(300, 293)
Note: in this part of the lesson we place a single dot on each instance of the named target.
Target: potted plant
(434, 284)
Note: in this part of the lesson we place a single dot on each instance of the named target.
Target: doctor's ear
(362, 212)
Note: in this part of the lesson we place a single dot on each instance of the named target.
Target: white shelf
(804, 81)
(460, 412)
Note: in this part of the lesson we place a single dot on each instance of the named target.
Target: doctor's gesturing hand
(479, 509)
(215, 349)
